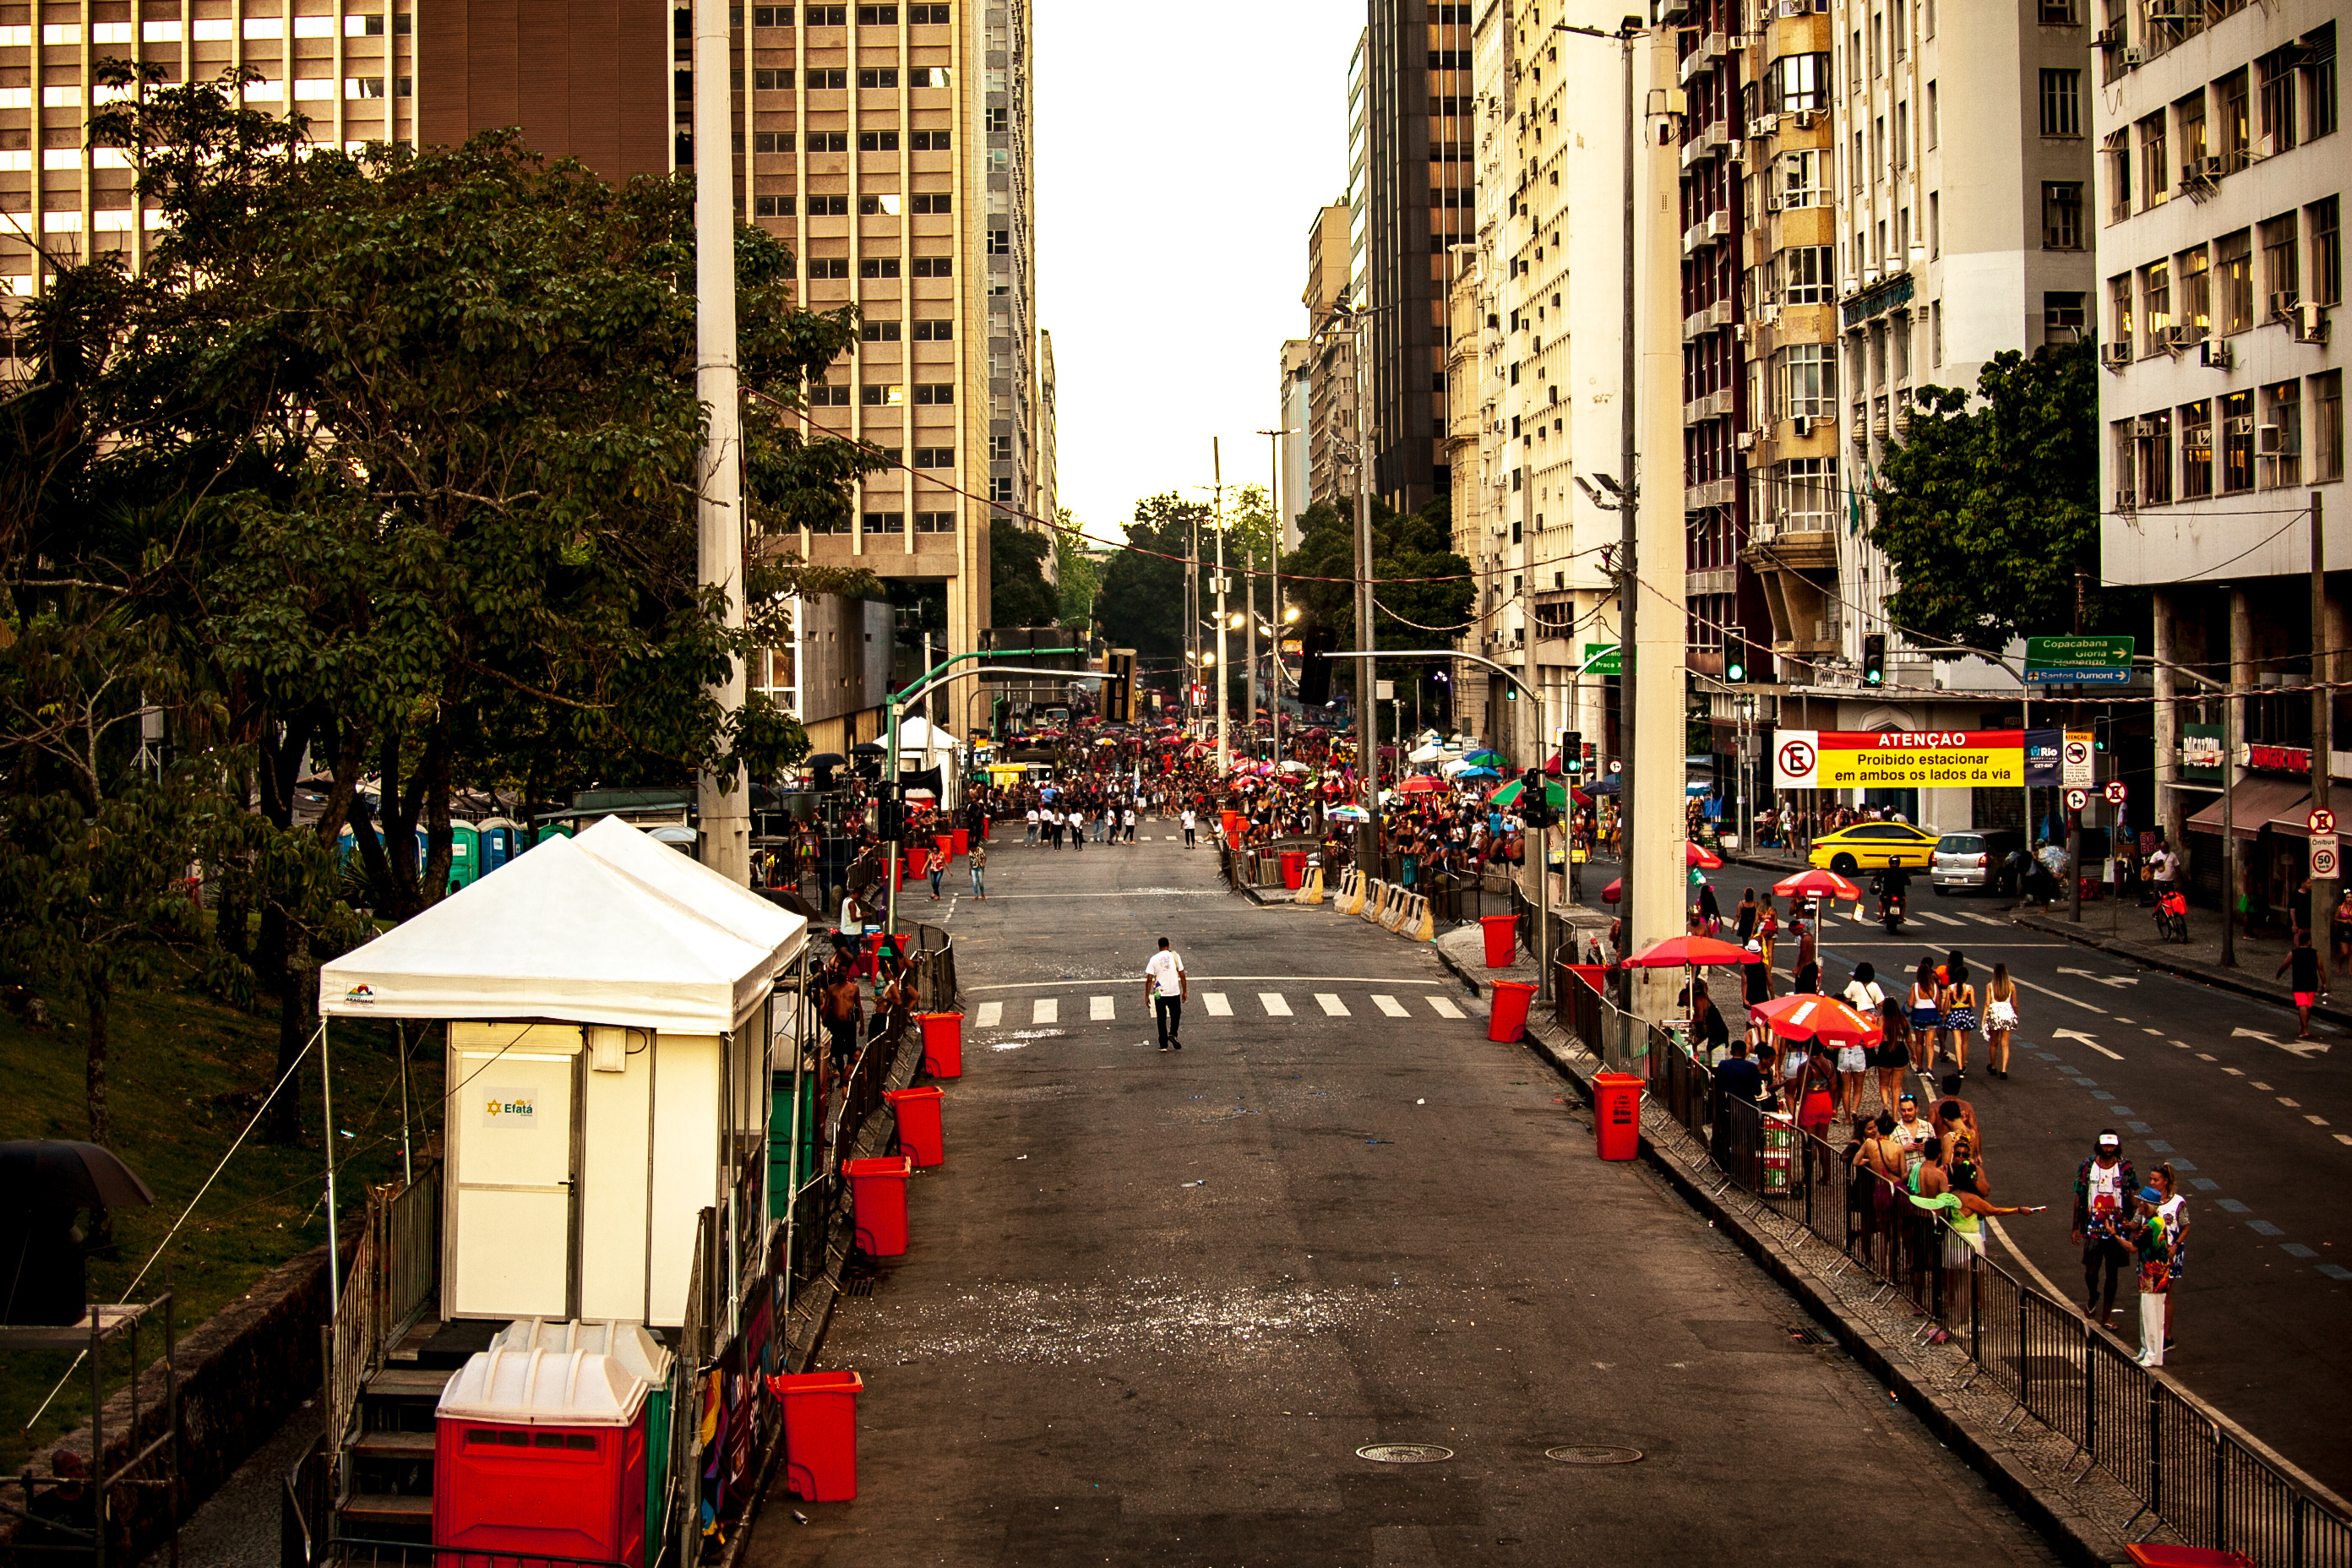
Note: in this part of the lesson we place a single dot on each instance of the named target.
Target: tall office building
(1329, 362)
(1419, 194)
(2219, 224)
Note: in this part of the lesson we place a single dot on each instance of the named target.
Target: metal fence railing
(2182, 1460)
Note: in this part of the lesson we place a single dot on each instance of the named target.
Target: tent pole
(407, 1165)
(327, 1109)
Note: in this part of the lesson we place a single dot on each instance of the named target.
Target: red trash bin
(878, 1201)
(1508, 1020)
(917, 856)
(920, 1136)
(2150, 1554)
(1617, 1115)
(942, 1044)
(866, 964)
(947, 848)
(963, 836)
(1502, 933)
(820, 1433)
(1294, 869)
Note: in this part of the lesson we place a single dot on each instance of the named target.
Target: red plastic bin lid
(927, 1092)
(881, 1165)
(2154, 1556)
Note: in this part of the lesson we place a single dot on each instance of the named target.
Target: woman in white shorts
(1864, 995)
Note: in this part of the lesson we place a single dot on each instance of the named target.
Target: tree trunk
(230, 919)
(297, 1000)
(95, 995)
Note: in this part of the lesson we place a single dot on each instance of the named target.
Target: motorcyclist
(1893, 886)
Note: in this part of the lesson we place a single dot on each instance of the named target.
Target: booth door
(512, 1244)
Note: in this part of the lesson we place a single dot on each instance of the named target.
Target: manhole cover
(1592, 1454)
(1403, 1452)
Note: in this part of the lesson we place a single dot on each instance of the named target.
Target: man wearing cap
(2102, 1187)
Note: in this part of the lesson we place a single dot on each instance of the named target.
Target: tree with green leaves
(1987, 507)
(1141, 605)
(1018, 593)
(1077, 575)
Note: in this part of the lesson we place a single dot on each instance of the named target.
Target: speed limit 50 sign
(2325, 859)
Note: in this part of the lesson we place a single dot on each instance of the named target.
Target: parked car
(1977, 858)
(1872, 845)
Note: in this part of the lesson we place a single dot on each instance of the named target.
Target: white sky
(1179, 163)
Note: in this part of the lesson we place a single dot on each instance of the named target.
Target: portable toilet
(465, 854)
(641, 1354)
(500, 844)
(541, 1453)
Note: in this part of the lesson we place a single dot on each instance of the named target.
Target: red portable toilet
(877, 1202)
(541, 1453)
(920, 1136)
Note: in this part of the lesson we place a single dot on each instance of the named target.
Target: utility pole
(2073, 817)
(1281, 536)
(1225, 703)
(1249, 641)
(722, 805)
(1629, 580)
(1367, 749)
(2323, 739)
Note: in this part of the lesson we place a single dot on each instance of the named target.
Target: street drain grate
(1592, 1454)
(1403, 1452)
(1809, 1336)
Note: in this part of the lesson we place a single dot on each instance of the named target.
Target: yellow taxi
(1868, 847)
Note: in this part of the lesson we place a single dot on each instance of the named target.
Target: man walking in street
(2303, 959)
(2104, 1189)
(1166, 986)
(1189, 821)
(977, 860)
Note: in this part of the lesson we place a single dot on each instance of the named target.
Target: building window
(2190, 112)
(2155, 442)
(930, 76)
(771, 16)
(827, 141)
(927, 17)
(2062, 103)
(2119, 312)
(877, 15)
(764, 80)
(773, 206)
(2326, 251)
(934, 266)
(2195, 295)
(1000, 490)
(829, 207)
(771, 141)
(2061, 14)
(885, 521)
(2237, 441)
(1798, 83)
(877, 332)
(826, 266)
(826, 16)
(826, 80)
(936, 392)
(877, 141)
(878, 77)
(2118, 153)
(2061, 214)
(881, 394)
(882, 205)
(2237, 124)
(934, 332)
(1808, 380)
(933, 202)
(840, 523)
(2155, 161)
(2279, 439)
(2328, 426)
(934, 456)
(1000, 448)
(930, 142)
(1936, 333)
(2196, 451)
(1804, 179)
(2319, 78)
(2233, 260)
(1000, 242)
(1810, 274)
(2156, 305)
(2282, 268)
(934, 522)
(2278, 94)
(823, 396)
(1807, 494)
(2061, 318)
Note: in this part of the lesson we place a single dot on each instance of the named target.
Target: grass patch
(187, 1074)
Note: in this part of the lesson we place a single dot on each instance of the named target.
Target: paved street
(1154, 1304)
(2259, 1132)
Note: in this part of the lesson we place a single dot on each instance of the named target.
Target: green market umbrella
(1509, 794)
(1485, 759)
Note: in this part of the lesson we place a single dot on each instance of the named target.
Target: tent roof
(606, 928)
(911, 734)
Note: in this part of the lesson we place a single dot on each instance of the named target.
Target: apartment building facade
(2219, 258)
(1326, 358)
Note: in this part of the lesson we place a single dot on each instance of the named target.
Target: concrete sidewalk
(1155, 1303)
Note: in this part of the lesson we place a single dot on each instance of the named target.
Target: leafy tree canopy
(1018, 593)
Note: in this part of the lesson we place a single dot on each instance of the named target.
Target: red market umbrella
(1613, 892)
(1691, 953)
(1806, 1016)
(1816, 884)
(1699, 855)
(1421, 783)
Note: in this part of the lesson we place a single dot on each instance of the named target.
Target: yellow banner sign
(1934, 759)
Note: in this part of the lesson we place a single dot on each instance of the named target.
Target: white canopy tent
(608, 1067)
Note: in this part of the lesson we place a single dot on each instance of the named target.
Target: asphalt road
(1155, 1303)
(2258, 1129)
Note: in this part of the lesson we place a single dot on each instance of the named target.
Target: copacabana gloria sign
(1898, 758)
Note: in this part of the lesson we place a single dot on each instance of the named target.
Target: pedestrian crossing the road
(1109, 1008)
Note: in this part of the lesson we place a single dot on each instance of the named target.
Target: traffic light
(889, 816)
(1874, 659)
(1315, 645)
(1119, 689)
(1571, 756)
(1735, 664)
(1534, 804)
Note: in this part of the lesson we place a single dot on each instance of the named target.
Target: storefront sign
(1898, 758)
(2200, 753)
(2279, 759)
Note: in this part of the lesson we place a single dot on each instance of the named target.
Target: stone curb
(2079, 1538)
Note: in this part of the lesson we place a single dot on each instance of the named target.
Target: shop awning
(2280, 805)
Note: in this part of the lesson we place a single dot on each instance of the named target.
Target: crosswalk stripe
(1390, 1006)
(1939, 919)
(990, 1015)
(1984, 919)
(1275, 1002)
(1214, 1001)
(1045, 1010)
(1332, 1006)
(1099, 1007)
(1444, 1007)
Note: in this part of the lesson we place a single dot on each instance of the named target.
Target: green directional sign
(2090, 661)
(1602, 658)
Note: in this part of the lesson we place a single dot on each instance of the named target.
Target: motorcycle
(1890, 911)
(2172, 916)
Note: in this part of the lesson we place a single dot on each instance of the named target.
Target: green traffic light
(1735, 672)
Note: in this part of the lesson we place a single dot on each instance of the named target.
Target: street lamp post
(1224, 705)
(1279, 535)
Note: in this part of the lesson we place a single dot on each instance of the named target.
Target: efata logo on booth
(508, 1108)
(359, 995)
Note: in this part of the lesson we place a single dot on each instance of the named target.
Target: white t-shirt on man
(1187, 819)
(1165, 973)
